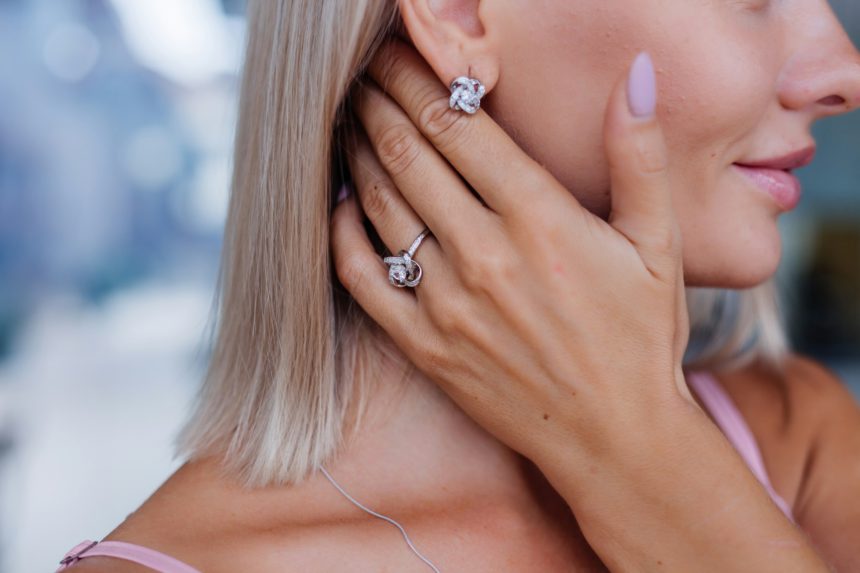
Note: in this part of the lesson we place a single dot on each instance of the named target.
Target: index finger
(481, 151)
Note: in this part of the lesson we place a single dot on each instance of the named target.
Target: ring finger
(391, 215)
(423, 177)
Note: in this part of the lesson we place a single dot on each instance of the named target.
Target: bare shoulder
(795, 401)
(807, 423)
(167, 522)
(814, 388)
(786, 412)
(826, 505)
(213, 524)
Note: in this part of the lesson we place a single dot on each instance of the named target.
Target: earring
(466, 94)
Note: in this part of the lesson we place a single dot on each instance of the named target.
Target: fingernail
(344, 192)
(642, 86)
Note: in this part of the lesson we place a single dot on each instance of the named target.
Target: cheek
(559, 62)
(710, 103)
(712, 106)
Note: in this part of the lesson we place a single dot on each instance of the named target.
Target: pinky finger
(365, 276)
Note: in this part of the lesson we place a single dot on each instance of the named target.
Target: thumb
(638, 166)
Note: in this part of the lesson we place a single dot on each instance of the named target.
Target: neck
(415, 440)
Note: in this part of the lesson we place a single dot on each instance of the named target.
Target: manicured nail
(344, 192)
(642, 86)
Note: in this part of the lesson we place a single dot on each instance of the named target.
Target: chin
(751, 279)
(736, 262)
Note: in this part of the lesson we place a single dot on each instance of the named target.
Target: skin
(748, 82)
(745, 83)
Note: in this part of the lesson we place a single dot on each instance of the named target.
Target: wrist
(669, 489)
(620, 432)
(621, 443)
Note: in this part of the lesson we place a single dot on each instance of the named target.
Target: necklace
(380, 516)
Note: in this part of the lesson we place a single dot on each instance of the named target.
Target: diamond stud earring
(466, 94)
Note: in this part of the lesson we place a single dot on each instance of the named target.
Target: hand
(545, 323)
(560, 333)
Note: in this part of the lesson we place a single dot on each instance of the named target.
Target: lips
(774, 176)
(782, 186)
(793, 160)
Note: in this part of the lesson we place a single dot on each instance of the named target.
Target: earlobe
(454, 37)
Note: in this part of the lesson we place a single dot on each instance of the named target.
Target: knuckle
(398, 149)
(470, 274)
(481, 272)
(446, 319)
(450, 314)
(442, 125)
(642, 151)
(389, 64)
(530, 183)
(651, 161)
(377, 202)
(497, 265)
(650, 156)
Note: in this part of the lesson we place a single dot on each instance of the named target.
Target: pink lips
(774, 175)
(783, 186)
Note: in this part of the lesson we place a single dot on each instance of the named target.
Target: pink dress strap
(128, 551)
(732, 424)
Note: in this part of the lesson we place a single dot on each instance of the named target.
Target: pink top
(127, 551)
(716, 400)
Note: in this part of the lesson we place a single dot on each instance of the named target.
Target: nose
(822, 76)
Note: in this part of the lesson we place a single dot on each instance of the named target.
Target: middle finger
(420, 173)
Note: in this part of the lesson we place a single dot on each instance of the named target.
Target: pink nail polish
(642, 87)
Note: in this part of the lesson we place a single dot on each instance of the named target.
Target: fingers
(417, 171)
(365, 276)
(493, 164)
(393, 218)
(642, 206)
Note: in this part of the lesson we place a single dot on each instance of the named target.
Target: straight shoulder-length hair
(288, 351)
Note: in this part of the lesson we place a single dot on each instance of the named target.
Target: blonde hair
(290, 352)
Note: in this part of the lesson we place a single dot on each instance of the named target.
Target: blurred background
(116, 123)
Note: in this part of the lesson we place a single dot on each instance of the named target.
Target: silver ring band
(403, 270)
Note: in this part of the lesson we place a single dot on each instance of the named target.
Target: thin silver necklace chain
(380, 516)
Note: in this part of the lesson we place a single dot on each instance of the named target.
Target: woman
(565, 413)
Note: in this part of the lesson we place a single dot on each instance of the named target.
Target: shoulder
(213, 524)
(787, 413)
(797, 400)
(825, 505)
(807, 424)
(814, 389)
(166, 522)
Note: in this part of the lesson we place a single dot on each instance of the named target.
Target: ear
(453, 37)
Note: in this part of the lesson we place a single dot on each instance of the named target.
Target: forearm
(677, 498)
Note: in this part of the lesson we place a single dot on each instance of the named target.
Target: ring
(403, 270)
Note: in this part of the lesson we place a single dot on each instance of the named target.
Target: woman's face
(739, 81)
